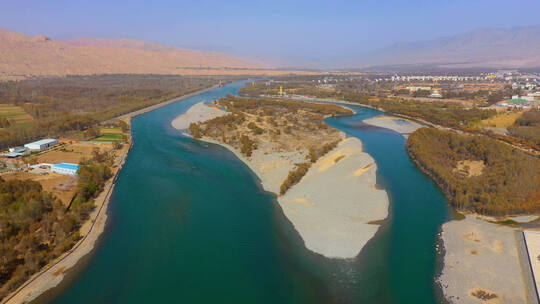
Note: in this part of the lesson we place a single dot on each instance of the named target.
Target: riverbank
(335, 205)
(51, 275)
(481, 263)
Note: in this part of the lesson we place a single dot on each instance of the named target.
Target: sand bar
(332, 205)
(198, 112)
(400, 125)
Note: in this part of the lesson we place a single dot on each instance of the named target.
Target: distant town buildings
(520, 80)
(436, 78)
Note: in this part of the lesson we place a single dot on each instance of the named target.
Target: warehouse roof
(44, 141)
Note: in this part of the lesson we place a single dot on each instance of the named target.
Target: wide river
(190, 223)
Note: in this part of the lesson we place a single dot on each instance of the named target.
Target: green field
(16, 115)
(111, 137)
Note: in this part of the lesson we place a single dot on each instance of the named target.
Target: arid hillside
(23, 56)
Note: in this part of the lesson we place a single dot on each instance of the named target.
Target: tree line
(64, 105)
(35, 227)
(509, 182)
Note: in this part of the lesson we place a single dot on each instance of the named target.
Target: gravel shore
(481, 258)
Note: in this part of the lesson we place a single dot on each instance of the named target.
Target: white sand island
(334, 205)
(400, 125)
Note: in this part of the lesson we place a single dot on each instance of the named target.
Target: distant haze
(314, 34)
(496, 48)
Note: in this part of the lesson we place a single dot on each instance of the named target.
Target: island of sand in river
(331, 198)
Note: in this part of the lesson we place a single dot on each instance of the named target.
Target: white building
(416, 88)
(41, 144)
(435, 94)
(17, 149)
(65, 168)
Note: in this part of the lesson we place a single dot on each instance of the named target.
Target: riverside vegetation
(477, 173)
(451, 115)
(35, 227)
(527, 127)
(72, 104)
(288, 125)
(477, 170)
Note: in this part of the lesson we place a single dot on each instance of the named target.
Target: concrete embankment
(334, 205)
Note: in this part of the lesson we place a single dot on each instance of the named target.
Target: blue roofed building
(65, 168)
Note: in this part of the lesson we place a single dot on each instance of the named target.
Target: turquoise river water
(190, 223)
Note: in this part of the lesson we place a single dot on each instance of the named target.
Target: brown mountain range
(23, 56)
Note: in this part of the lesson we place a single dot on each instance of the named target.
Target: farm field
(15, 115)
(111, 137)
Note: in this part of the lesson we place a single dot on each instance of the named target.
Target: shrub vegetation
(35, 227)
(509, 182)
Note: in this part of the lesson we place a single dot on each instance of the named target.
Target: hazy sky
(306, 30)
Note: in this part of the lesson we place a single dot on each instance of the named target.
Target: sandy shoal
(333, 204)
(198, 112)
(400, 125)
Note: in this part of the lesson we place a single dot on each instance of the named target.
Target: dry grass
(485, 295)
(61, 186)
(503, 120)
(110, 130)
(470, 167)
(59, 271)
(72, 153)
